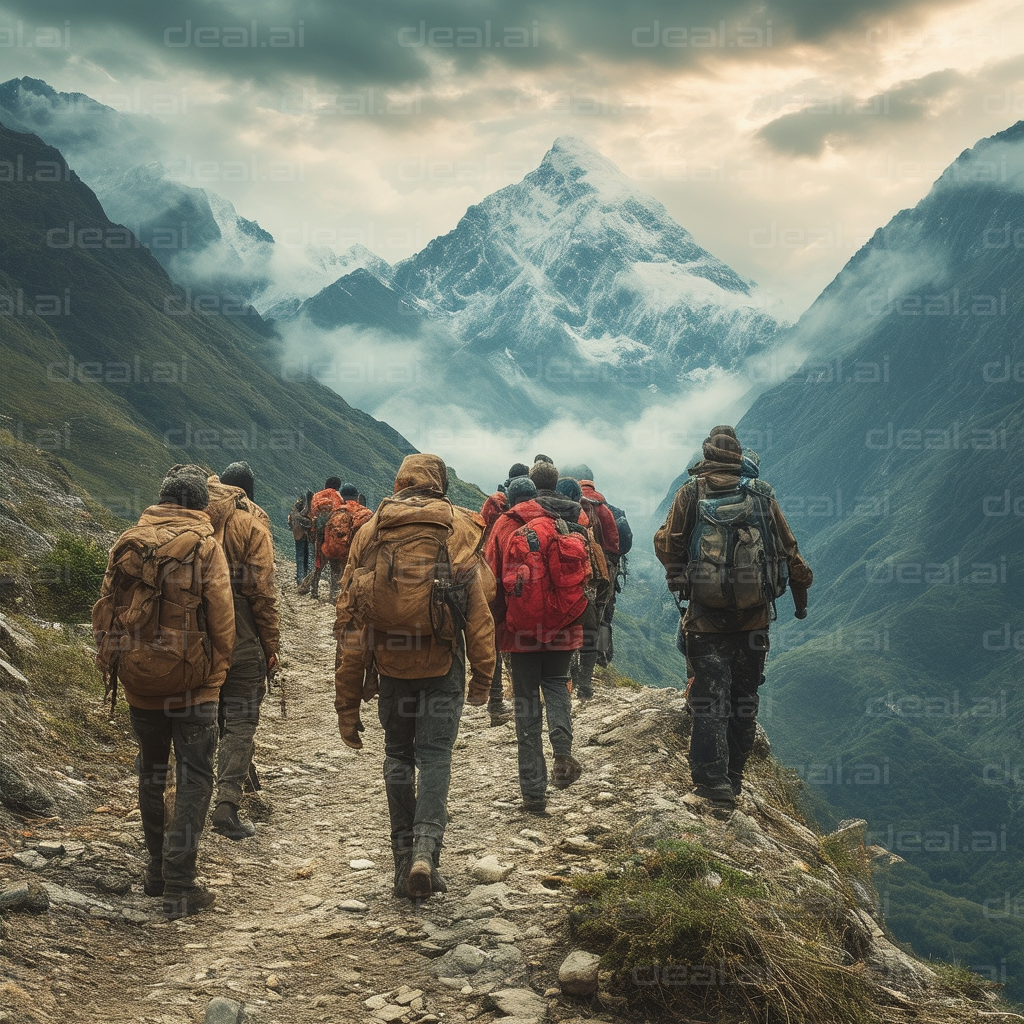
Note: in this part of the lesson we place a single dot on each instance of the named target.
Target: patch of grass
(609, 676)
(684, 932)
(849, 858)
(961, 980)
(67, 578)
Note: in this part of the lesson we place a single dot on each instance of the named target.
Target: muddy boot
(153, 880)
(184, 904)
(226, 822)
(418, 886)
(403, 861)
(567, 771)
(501, 713)
(437, 882)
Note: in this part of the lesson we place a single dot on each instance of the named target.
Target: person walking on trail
(727, 550)
(321, 505)
(249, 551)
(413, 610)
(339, 532)
(165, 629)
(539, 554)
(616, 539)
(240, 474)
(499, 502)
(301, 525)
(584, 660)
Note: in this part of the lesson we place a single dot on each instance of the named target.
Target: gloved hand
(799, 601)
(350, 726)
(479, 691)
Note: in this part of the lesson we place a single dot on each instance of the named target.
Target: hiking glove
(799, 601)
(349, 726)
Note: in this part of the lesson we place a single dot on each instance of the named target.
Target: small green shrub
(67, 578)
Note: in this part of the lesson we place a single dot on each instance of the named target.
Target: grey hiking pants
(533, 673)
(240, 699)
(420, 718)
(727, 670)
(193, 731)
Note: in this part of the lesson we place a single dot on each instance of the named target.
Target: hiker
(413, 610)
(165, 629)
(615, 538)
(499, 711)
(581, 669)
(339, 532)
(301, 525)
(727, 549)
(537, 618)
(249, 551)
(240, 474)
(321, 505)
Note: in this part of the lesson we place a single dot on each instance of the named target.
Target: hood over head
(423, 475)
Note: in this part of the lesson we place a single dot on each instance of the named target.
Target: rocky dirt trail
(306, 927)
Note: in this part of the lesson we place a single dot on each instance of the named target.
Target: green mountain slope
(897, 459)
(119, 373)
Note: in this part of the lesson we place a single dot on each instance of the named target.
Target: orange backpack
(341, 527)
(323, 504)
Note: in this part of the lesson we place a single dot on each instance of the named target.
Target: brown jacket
(420, 477)
(211, 567)
(672, 546)
(239, 527)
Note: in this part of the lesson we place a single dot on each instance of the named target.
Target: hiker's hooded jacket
(211, 568)
(249, 549)
(421, 479)
(672, 544)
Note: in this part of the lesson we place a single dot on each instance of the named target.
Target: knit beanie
(580, 472)
(544, 458)
(520, 488)
(349, 492)
(544, 475)
(185, 485)
(570, 488)
(519, 469)
(240, 474)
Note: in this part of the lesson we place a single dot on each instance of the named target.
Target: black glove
(799, 601)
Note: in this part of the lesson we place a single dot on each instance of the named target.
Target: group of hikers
(429, 596)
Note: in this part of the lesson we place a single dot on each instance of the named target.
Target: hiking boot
(720, 796)
(437, 882)
(536, 807)
(153, 879)
(418, 885)
(501, 714)
(403, 861)
(737, 787)
(567, 771)
(226, 823)
(185, 904)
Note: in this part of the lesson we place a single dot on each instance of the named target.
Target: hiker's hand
(478, 692)
(349, 727)
(799, 601)
(271, 668)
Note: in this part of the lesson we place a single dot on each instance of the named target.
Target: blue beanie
(520, 488)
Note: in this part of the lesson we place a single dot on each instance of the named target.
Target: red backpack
(545, 565)
(341, 528)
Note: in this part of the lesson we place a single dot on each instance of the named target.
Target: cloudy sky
(780, 134)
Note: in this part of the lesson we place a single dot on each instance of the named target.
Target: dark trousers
(727, 670)
(193, 731)
(420, 718)
(240, 699)
(497, 695)
(301, 559)
(534, 673)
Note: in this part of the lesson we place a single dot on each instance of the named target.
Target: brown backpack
(150, 628)
(405, 592)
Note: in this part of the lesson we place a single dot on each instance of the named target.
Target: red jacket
(609, 531)
(494, 506)
(568, 639)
